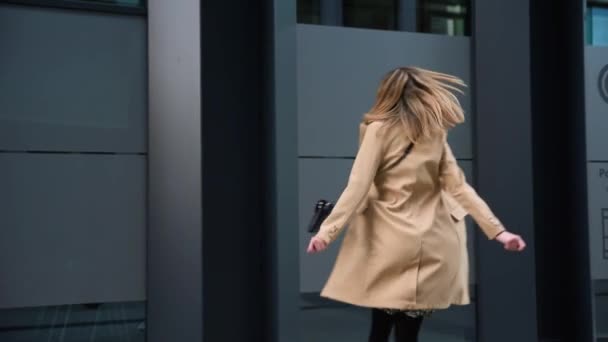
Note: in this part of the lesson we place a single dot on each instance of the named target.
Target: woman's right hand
(511, 242)
(316, 245)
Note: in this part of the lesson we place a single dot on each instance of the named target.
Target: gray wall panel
(72, 80)
(73, 229)
(319, 178)
(598, 219)
(596, 58)
(339, 70)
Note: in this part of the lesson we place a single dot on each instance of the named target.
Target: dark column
(235, 196)
(223, 141)
(407, 15)
(332, 12)
(560, 176)
(174, 273)
(504, 174)
(282, 174)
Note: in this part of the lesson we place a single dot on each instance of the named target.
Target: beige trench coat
(405, 247)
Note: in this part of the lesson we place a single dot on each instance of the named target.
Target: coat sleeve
(362, 175)
(454, 182)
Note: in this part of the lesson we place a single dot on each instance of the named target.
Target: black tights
(406, 327)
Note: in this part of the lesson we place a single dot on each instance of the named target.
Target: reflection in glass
(447, 17)
(374, 14)
(309, 11)
(597, 25)
(110, 322)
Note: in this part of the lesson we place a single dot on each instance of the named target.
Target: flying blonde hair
(423, 101)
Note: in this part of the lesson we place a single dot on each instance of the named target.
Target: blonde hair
(423, 101)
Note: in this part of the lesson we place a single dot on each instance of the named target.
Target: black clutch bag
(322, 209)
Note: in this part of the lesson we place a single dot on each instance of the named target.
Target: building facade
(159, 161)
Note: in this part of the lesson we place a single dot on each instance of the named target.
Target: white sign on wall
(598, 219)
(596, 102)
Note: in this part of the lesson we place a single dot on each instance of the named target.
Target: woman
(404, 254)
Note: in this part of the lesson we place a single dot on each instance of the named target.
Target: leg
(407, 328)
(382, 324)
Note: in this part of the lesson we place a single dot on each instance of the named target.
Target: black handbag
(323, 208)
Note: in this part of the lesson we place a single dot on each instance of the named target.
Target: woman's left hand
(511, 242)
(316, 245)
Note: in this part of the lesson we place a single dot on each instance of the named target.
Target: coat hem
(412, 306)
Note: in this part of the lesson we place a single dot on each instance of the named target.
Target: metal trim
(82, 6)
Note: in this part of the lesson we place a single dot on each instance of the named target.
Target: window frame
(84, 5)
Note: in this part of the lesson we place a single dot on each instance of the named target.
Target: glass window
(309, 11)
(448, 17)
(72, 242)
(375, 14)
(597, 24)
